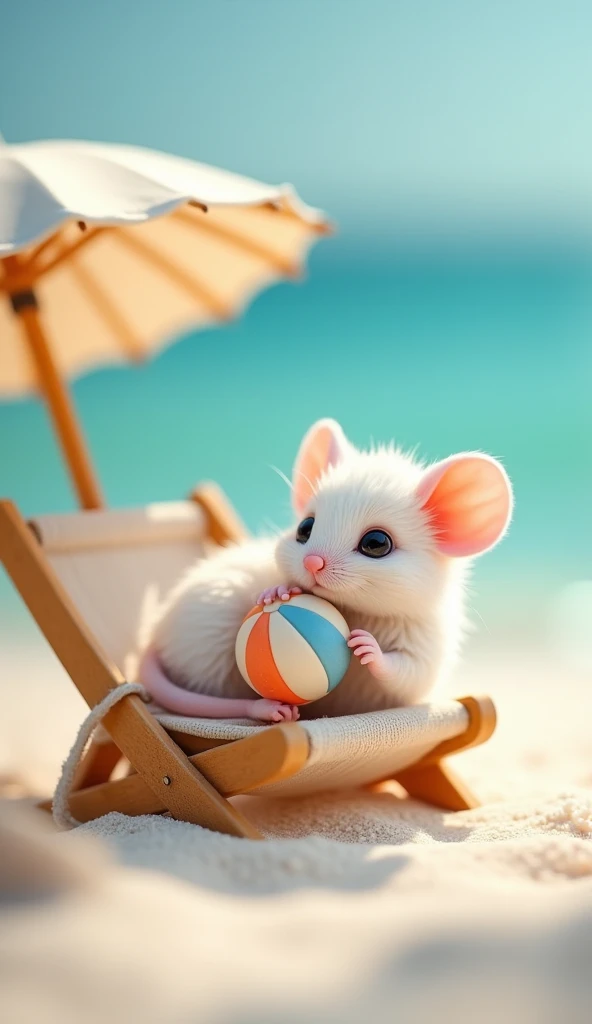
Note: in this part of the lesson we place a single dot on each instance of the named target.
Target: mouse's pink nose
(314, 563)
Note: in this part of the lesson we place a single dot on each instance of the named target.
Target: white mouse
(385, 539)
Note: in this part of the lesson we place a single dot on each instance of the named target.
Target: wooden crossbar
(275, 753)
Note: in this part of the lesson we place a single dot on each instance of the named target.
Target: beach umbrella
(108, 252)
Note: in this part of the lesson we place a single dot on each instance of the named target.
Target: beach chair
(90, 578)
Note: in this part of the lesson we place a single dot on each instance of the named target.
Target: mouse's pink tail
(164, 691)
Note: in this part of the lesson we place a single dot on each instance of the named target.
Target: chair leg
(97, 765)
(237, 767)
(439, 785)
(432, 780)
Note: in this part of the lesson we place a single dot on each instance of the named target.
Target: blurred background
(452, 145)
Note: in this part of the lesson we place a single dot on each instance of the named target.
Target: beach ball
(294, 651)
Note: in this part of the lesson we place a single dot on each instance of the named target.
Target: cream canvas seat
(94, 579)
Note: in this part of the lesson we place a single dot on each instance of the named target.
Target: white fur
(411, 600)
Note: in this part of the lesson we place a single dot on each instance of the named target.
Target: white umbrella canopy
(108, 252)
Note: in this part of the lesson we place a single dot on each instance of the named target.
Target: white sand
(387, 911)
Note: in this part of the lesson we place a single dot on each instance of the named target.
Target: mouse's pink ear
(469, 502)
(324, 445)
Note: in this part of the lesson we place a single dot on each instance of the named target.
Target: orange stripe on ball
(254, 611)
(262, 667)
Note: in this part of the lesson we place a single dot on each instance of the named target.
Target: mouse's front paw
(279, 593)
(367, 649)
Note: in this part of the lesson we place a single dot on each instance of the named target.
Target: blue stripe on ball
(327, 642)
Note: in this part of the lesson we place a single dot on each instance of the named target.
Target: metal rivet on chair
(166, 780)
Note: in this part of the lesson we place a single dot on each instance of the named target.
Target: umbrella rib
(30, 269)
(43, 246)
(195, 289)
(320, 227)
(68, 251)
(248, 245)
(108, 312)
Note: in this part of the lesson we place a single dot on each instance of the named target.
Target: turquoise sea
(444, 351)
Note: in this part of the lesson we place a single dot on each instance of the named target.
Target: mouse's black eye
(304, 530)
(375, 544)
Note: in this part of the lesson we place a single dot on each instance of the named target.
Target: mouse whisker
(313, 486)
(282, 476)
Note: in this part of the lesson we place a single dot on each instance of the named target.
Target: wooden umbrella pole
(58, 400)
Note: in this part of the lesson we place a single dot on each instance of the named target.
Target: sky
(390, 113)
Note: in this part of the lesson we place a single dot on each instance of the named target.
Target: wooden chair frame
(189, 777)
